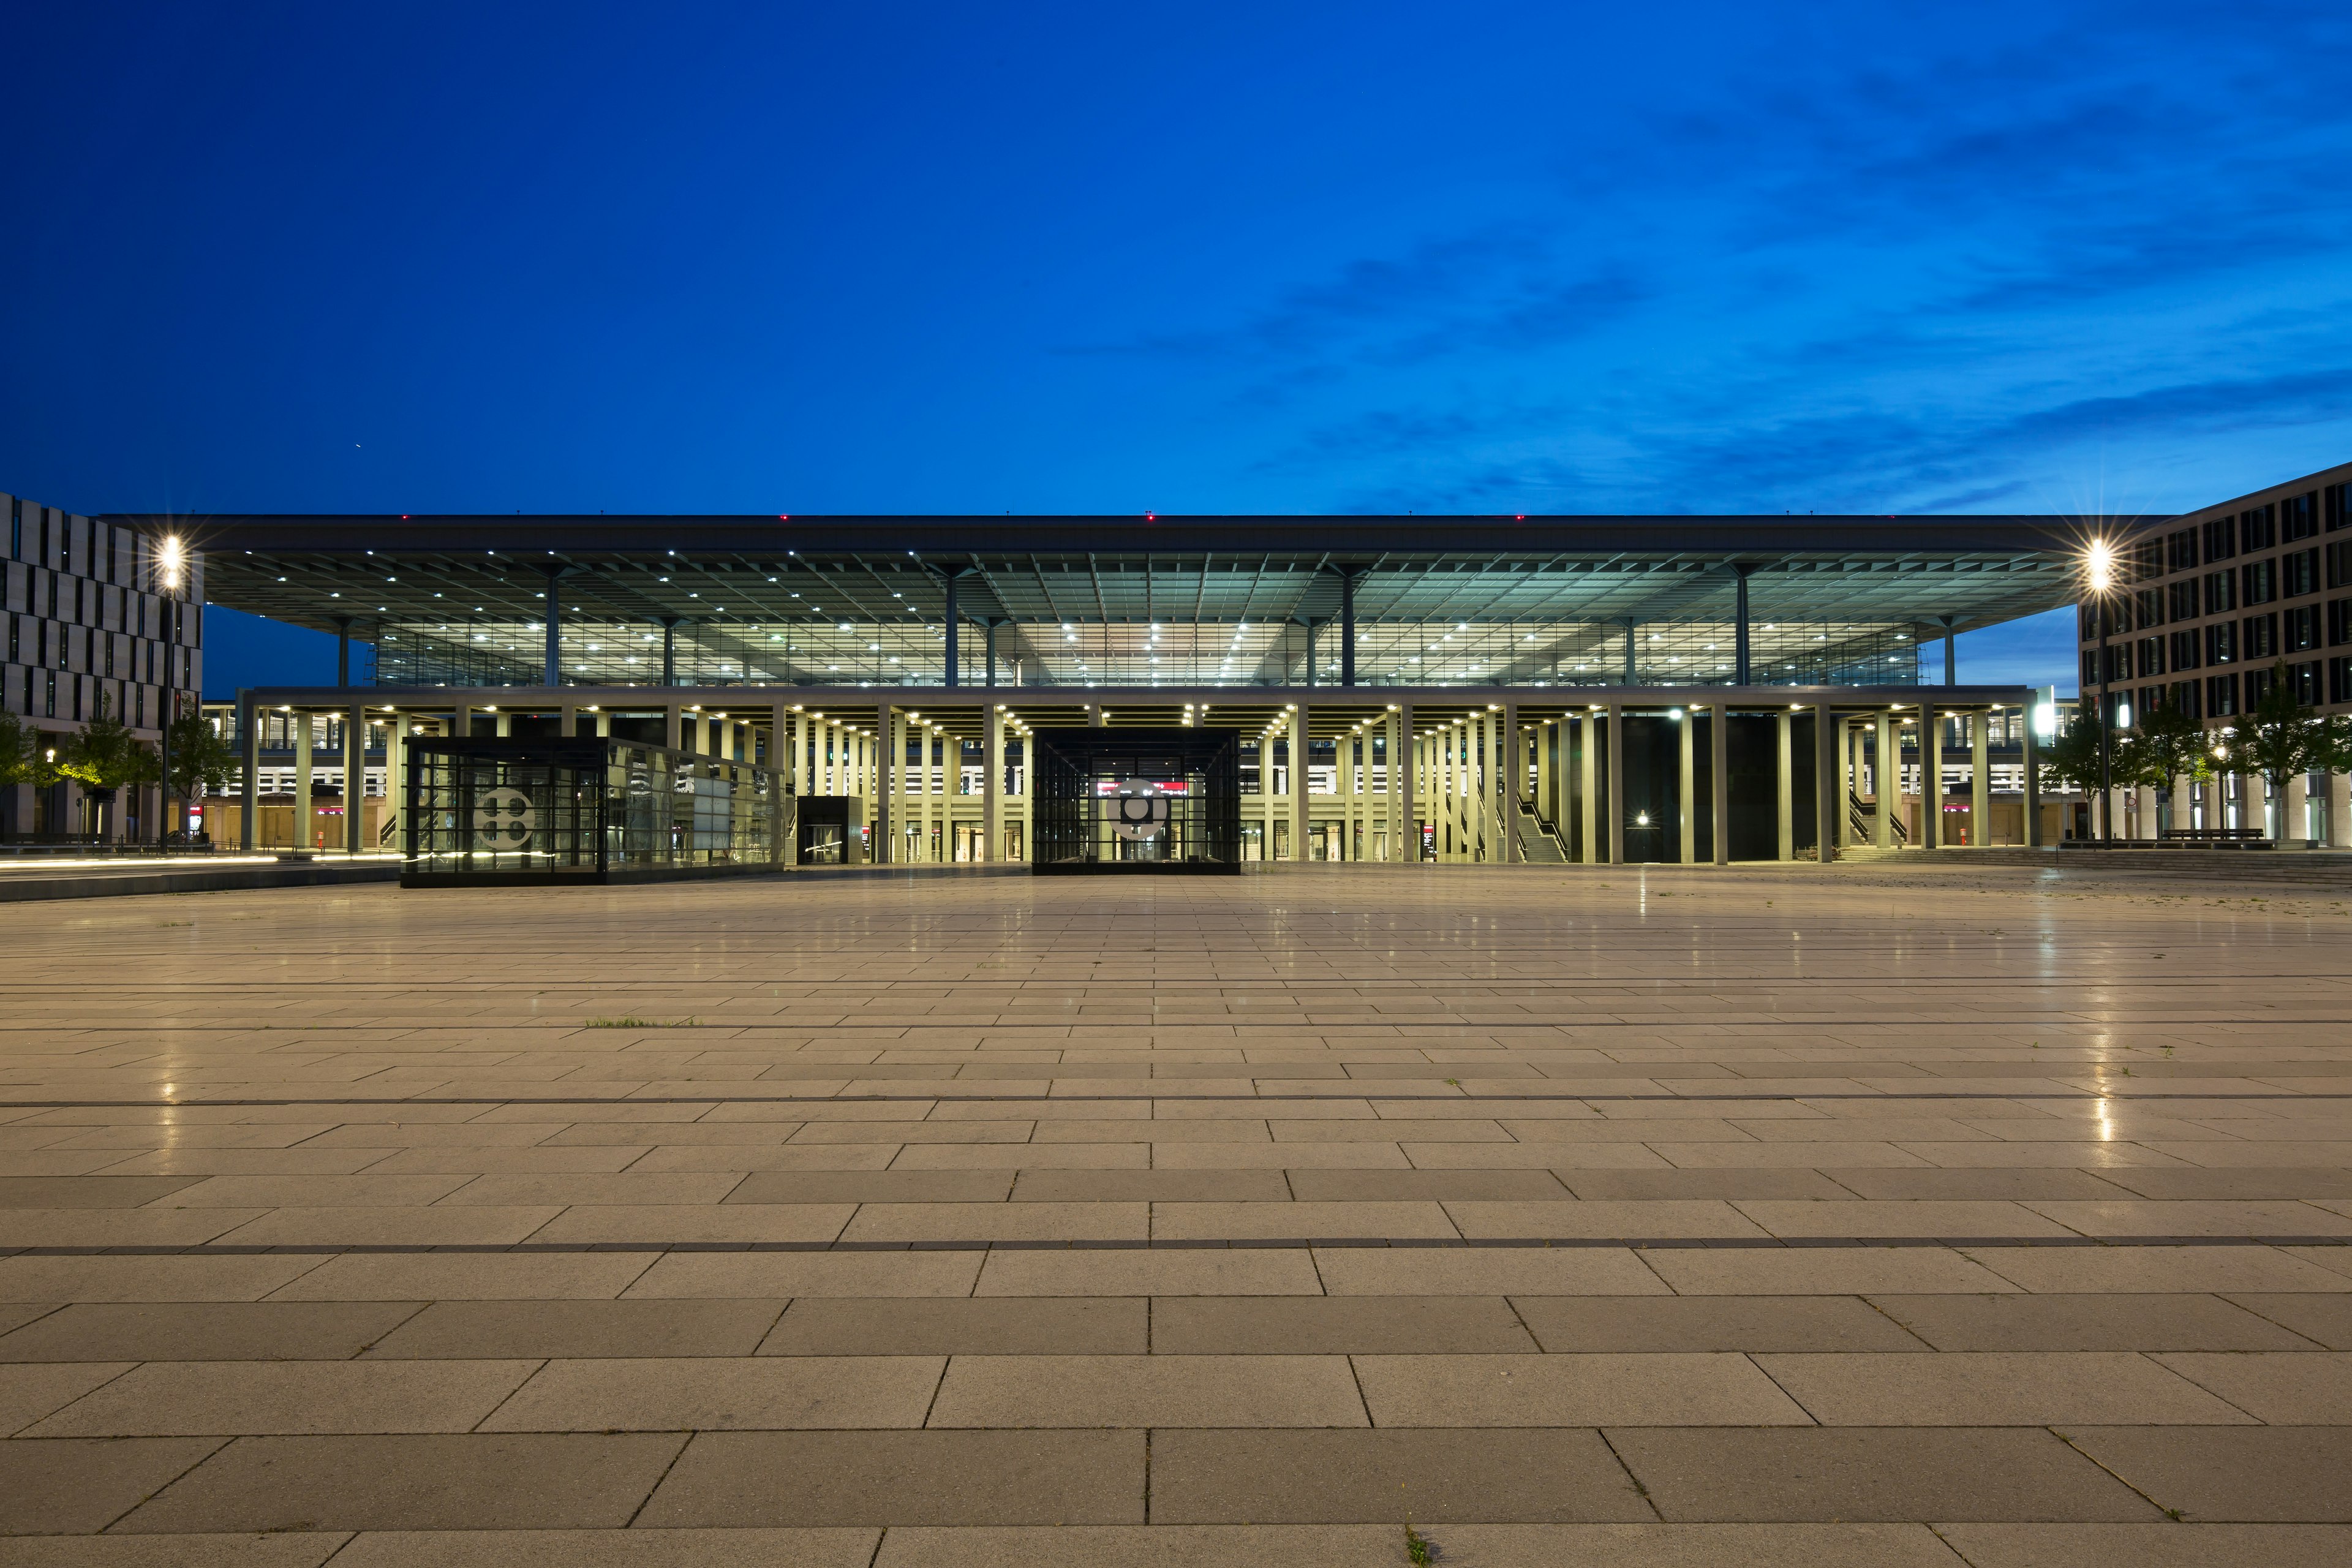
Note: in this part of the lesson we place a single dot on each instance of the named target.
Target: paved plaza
(1891, 1215)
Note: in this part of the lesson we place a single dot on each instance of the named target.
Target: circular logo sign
(503, 818)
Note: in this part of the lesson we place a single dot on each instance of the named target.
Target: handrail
(1860, 816)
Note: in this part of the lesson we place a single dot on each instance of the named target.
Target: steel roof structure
(1135, 600)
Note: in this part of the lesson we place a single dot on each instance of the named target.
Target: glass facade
(508, 811)
(1142, 800)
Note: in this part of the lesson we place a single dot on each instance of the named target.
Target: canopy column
(1931, 778)
(1616, 802)
(248, 739)
(1885, 780)
(1514, 769)
(1588, 805)
(354, 779)
(992, 782)
(1981, 779)
(301, 838)
(1718, 780)
(1688, 826)
(1785, 783)
(1826, 783)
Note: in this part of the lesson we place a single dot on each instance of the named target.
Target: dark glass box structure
(529, 813)
(1114, 800)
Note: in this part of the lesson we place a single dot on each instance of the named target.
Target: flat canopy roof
(323, 571)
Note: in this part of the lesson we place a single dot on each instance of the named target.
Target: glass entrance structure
(1137, 800)
(484, 811)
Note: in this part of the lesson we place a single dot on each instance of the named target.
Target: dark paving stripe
(1638, 1243)
(1890, 1097)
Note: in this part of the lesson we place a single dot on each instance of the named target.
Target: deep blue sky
(1878, 257)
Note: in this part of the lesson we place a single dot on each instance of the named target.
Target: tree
(2280, 741)
(20, 753)
(2167, 746)
(201, 760)
(104, 757)
(2071, 760)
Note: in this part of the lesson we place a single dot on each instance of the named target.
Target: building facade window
(2184, 650)
(2183, 597)
(2257, 682)
(2221, 642)
(2302, 679)
(2301, 627)
(2299, 573)
(2299, 517)
(2180, 551)
(2258, 637)
(2257, 583)
(2184, 697)
(2258, 528)
(2339, 679)
(2221, 537)
(2339, 622)
(2221, 592)
(2221, 696)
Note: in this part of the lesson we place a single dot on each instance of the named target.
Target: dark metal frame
(1062, 820)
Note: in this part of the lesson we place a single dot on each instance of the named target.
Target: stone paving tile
(1481, 1546)
(961, 1326)
(2089, 1322)
(675, 1548)
(2149, 1545)
(871, 1187)
(1927, 1475)
(1212, 1221)
(1331, 1325)
(1572, 1390)
(711, 1393)
(307, 1550)
(1808, 1271)
(902, 1478)
(1992, 1389)
(2284, 1388)
(65, 1279)
(240, 1331)
(2254, 1473)
(108, 1192)
(1207, 1272)
(1742, 1324)
(575, 1330)
(2138, 1270)
(28, 1393)
(459, 1277)
(1485, 1271)
(739, 1276)
(79, 1487)
(1346, 1477)
(1149, 1391)
(459, 1482)
(170, 1399)
(2325, 1320)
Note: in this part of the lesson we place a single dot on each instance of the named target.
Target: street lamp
(172, 573)
(2099, 572)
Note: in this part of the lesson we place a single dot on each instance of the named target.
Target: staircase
(1540, 842)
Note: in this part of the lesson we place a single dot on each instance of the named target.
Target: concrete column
(1931, 778)
(304, 741)
(2339, 811)
(2298, 817)
(2143, 808)
(395, 781)
(1514, 775)
(890, 745)
(1885, 780)
(1687, 804)
(1402, 779)
(1616, 800)
(992, 782)
(355, 780)
(1298, 811)
(1785, 783)
(1827, 803)
(1718, 777)
(2030, 755)
(1981, 779)
(673, 724)
(248, 736)
(1850, 783)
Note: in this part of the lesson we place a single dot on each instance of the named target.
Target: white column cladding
(1931, 778)
(1719, 781)
(2339, 811)
(1827, 806)
(992, 782)
(355, 779)
(2298, 815)
(2030, 753)
(1404, 830)
(1515, 779)
(1616, 800)
(1886, 779)
(1849, 777)
(1981, 779)
(2144, 811)
(1785, 783)
(249, 736)
(303, 744)
(1298, 809)
(886, 807)
(1687, 848)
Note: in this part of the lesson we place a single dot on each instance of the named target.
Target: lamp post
(2099, 569)
(170, 573)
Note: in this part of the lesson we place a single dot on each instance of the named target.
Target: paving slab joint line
(1237, 1244)
(1371, 1093)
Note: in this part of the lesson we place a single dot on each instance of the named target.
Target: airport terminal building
(1656, 687)
(1456, 689)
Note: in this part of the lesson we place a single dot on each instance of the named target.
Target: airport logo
(503, 819)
